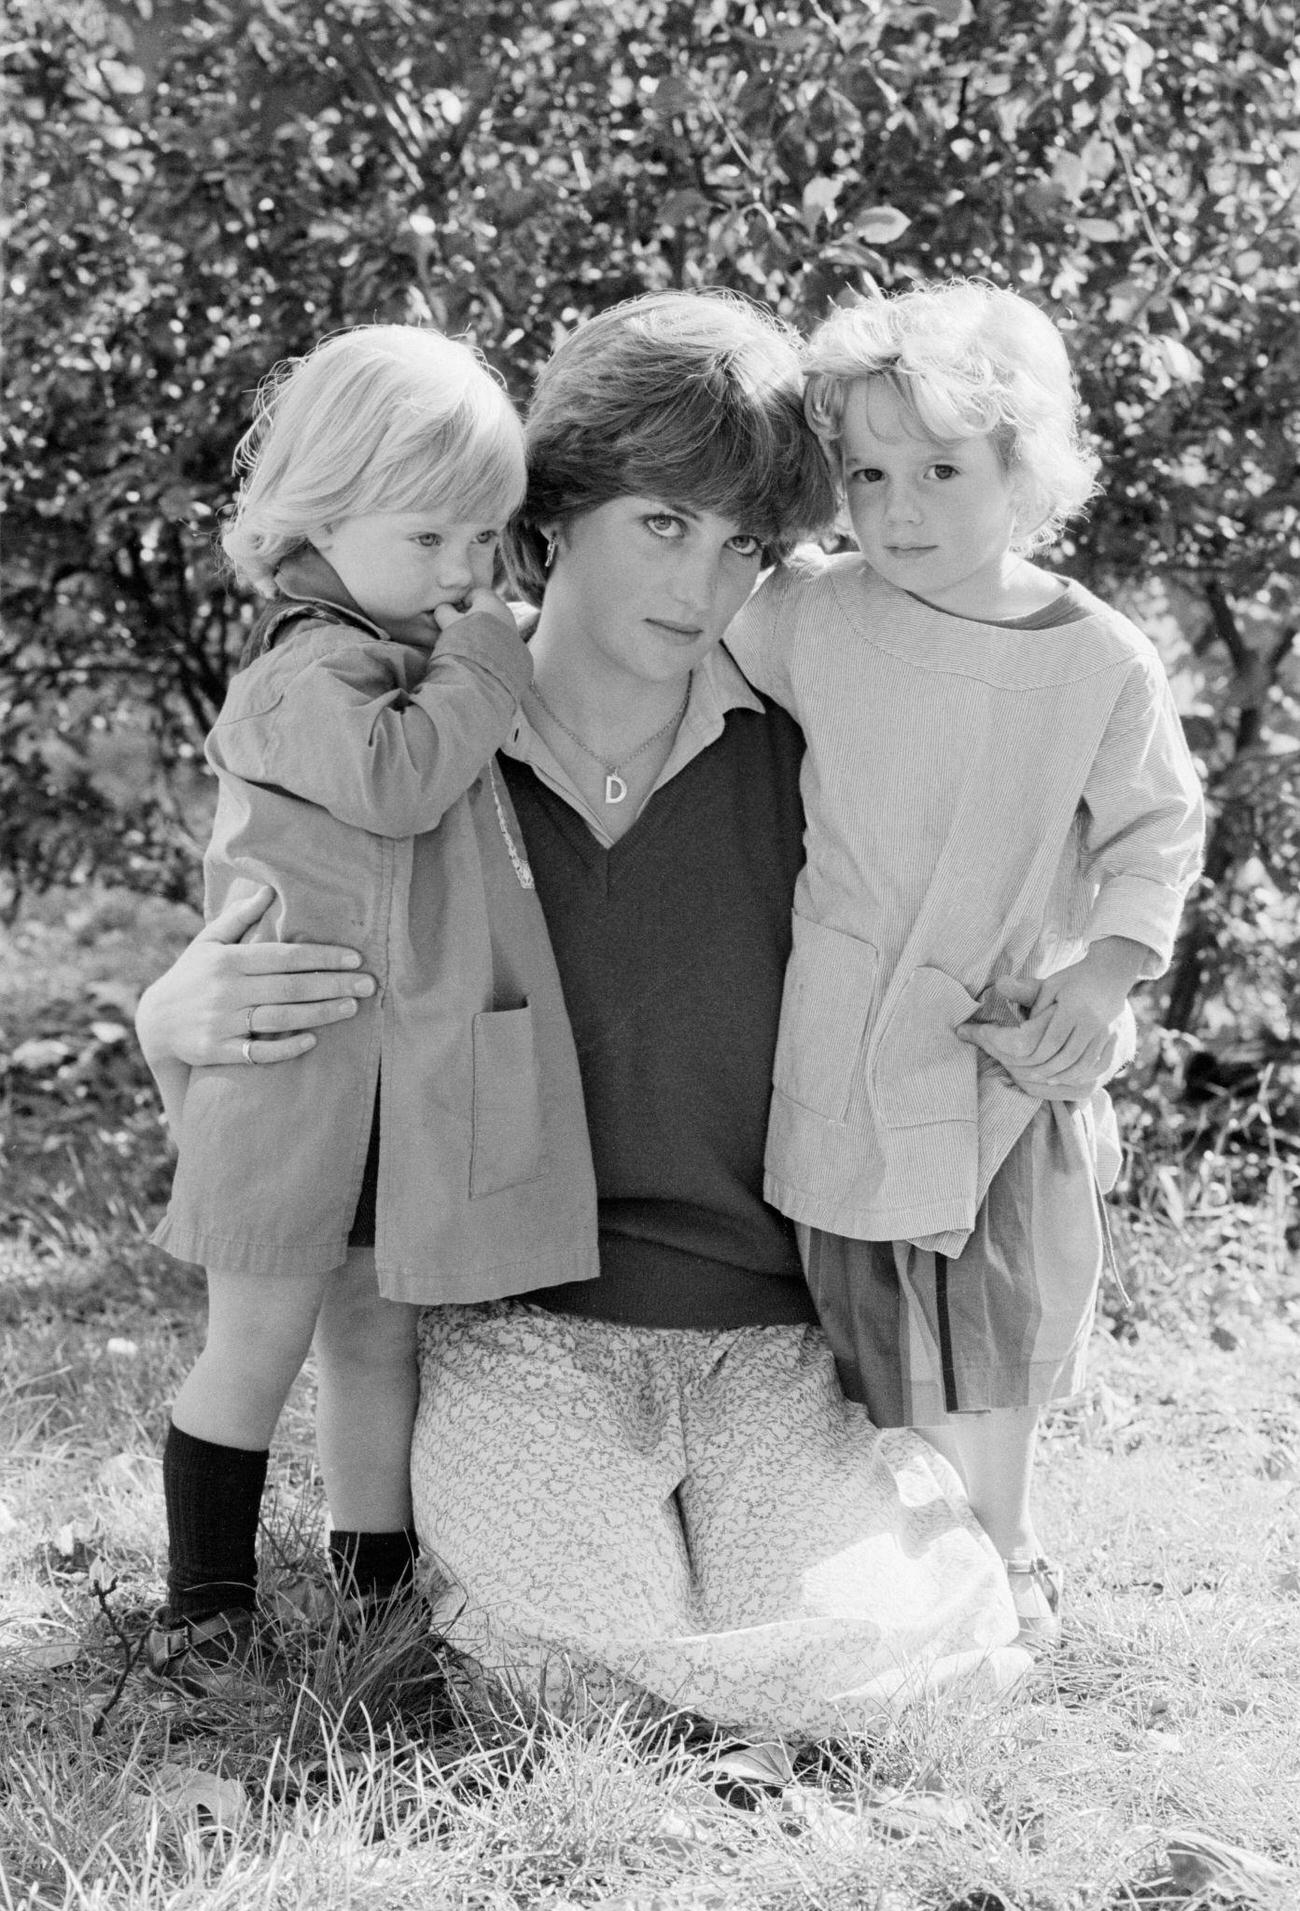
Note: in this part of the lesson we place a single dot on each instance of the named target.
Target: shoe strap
(183, 1634)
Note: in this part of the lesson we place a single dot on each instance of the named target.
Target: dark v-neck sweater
(672, 948)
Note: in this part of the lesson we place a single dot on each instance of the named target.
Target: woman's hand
(225, 1000)
(1074, 1079)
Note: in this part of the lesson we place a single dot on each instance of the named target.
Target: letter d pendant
(615, 787)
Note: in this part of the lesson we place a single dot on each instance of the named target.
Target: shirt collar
(305, 577)
(717, 687)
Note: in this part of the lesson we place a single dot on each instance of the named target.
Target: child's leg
(214, 1462)
(367, 1384)
(993, 1455)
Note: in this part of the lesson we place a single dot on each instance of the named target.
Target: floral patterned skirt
(697, 1516)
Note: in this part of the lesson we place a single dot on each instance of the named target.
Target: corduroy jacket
(355, 776)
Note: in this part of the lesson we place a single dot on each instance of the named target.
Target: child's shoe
(1036, 1587)
(220, 1656)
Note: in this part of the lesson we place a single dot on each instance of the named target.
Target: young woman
(655, 1475)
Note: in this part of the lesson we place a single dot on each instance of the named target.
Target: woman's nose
(696, 580)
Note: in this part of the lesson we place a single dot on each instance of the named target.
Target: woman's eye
(428, 539)
(664, 524)
(487, 537)
(746, 545)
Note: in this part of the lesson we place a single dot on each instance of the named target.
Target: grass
(1154, 1762)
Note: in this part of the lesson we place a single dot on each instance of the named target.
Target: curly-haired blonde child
(437, 1151)
(1001, 811)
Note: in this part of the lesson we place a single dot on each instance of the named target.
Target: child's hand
(1072, 1080)
(1077, 1007)
(1075, 1011)
(481, 603)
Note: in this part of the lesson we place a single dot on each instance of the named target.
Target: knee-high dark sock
(213, 1496)
(374, 1566)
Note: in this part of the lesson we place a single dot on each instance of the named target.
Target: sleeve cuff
(1141, 910)
(482, 639)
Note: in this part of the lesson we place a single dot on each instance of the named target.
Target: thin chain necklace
(615, 783)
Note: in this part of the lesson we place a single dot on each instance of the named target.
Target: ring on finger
(249, 1013)
(246, 1050)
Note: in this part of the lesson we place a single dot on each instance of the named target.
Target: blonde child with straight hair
(436, 1149)
(1003, 821)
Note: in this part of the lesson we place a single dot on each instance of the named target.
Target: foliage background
(200, 190)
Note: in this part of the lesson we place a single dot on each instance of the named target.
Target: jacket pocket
(922, 1072)
(829, 984)
(507, 1142)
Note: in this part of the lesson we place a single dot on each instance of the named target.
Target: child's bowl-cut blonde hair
(380, 418)
(967, 360)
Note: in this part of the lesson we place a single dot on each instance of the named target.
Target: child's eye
(428, 539)
(487, 537)
(865, 474)
(945, 471)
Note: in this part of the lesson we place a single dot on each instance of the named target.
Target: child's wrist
(1118, 961)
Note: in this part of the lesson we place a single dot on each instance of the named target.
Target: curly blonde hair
(966, 360)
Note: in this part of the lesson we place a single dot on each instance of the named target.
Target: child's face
(400, 566)
(933, 517)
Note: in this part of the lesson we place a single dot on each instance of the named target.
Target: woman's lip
(689, 631)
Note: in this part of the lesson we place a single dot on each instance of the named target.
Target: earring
(550, 553)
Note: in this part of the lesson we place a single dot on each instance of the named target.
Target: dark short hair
(695, 398)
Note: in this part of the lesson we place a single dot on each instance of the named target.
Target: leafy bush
(202, 190)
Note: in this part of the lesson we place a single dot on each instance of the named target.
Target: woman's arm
(222, 994)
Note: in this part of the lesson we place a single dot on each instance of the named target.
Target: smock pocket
(507, 1144)
(922, 1072)
(829, 983)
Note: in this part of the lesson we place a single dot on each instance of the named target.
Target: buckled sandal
(220, 1656)
(1036, 1589)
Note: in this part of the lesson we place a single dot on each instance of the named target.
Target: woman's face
(645, 588)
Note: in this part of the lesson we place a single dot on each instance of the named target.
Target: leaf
(48, 1656)
(673, 95)
(827, 1823)
(908, 1814)
(879, 225)
(1171, 1193)
(40, 1053)
(819, 197)
(184, 1788)
(1181, 365)
(1198, 1861)
(1070, 173)
(1100, 231)
(681, 207)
